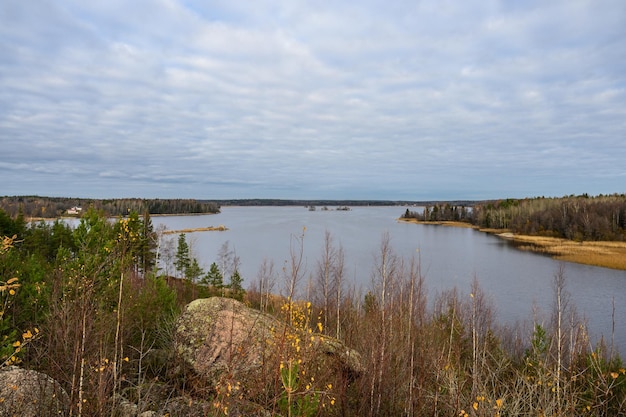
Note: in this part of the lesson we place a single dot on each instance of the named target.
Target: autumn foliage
(89, 307)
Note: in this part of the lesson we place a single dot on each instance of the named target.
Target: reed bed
(604, 254)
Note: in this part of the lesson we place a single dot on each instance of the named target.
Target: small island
(220, 228)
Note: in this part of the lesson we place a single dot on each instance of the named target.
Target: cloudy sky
(366, 99)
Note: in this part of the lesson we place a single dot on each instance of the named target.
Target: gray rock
(221, 336)
(28, 393)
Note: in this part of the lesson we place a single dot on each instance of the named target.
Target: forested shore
(579, 218)
(54, 207)
(581, 229)
(329, 203)
(88, 307)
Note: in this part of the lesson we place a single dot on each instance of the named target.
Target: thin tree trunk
(82, 364)
(117, 341)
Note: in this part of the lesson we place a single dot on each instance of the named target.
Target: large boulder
(221, 336)
(28, 393)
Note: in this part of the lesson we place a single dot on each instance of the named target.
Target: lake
(516, 281)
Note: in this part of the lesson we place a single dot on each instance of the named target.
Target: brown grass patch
(220, 228)
(604, 254)
(438, 223)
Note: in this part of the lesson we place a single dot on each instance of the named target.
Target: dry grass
(439, 223)
(219, 228)
(604, 254)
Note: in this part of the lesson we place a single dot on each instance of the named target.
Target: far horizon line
(320, 201)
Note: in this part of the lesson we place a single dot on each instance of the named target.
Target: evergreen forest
(53, 207)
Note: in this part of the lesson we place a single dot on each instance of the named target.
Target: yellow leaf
(17, 344)
(475, 406)
(12, 280)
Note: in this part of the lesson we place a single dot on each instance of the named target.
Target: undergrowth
(84, 307)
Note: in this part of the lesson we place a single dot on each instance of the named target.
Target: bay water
(519, 283)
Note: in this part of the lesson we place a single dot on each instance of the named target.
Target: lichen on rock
(217, 336)
(29, 393)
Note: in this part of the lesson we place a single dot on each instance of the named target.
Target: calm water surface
(517, 282)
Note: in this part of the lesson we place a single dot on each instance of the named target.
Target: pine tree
(183, 261)
(148, 244)
(236, 282)
(214, 277)
(194, 271)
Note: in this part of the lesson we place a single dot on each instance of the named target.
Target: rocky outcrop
(30, 393)
(227, 358)
(218, 336)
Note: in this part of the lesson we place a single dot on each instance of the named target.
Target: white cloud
(274, 99)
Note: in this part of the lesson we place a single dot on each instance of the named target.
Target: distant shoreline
(605, 254)
(49, 219)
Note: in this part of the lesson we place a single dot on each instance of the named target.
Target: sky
(386, 100)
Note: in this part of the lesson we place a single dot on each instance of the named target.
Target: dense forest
(89, 307)
(574, 217)
(328, 203)
(53, 207)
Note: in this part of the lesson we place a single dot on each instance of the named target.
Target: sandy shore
(604, 254)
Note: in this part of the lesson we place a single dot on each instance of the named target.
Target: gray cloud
(223, 99)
